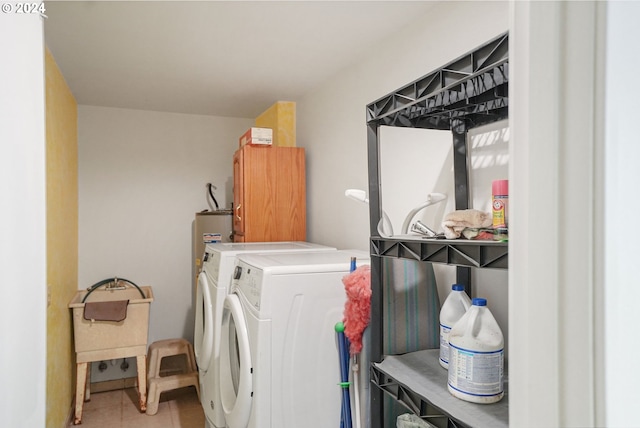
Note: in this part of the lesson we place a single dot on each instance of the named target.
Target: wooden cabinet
(269, 194)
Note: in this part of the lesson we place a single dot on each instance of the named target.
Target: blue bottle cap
(457, 287)
(479, 301)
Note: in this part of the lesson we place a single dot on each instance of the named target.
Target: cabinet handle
(237, 209)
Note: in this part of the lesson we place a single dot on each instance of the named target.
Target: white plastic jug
(476, 358)
(453, 308)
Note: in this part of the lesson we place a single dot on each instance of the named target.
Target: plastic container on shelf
(453, 308)
(476, 358)
(409, 420)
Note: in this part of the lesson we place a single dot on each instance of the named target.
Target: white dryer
(213, 285)
(279, 361)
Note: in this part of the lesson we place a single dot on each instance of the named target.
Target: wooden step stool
(159, 384)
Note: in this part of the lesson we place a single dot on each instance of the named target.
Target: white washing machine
(213, 285)
(279, 361)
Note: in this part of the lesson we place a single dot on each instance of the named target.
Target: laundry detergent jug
(453, 308)
(476, 357)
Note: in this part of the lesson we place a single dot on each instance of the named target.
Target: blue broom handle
(345, 390)
(343, 354)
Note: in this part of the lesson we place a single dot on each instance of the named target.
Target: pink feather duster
(357, 309)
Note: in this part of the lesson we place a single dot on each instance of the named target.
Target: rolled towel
(455, 222)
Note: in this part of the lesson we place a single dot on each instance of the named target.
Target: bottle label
(476, 373)
(444, 343)
(500, 211)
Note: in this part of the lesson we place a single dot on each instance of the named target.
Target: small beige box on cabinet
(260, 136)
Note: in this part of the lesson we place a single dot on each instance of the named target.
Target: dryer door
(203, 332)
(236, 383)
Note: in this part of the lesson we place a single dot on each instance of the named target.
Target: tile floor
(118, 409)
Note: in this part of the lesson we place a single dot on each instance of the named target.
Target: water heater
(209, 227)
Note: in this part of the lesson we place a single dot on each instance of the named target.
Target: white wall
(332, 128)
(22, 222)
(622, 294)
(142, 177)
(332, 121)
(489, 160)
(416, 162)
(556, 180)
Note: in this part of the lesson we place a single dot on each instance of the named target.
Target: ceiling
(221, 58)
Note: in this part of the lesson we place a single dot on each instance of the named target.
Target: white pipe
(357, 195)
(432, 198)
(385, 228)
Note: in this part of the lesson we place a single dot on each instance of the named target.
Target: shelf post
(373, 158)
(461, 184)
(375, 213)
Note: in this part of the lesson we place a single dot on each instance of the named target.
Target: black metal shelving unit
(468, 92)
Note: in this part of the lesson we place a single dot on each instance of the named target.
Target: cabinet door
(269, 194)
(290, 200)
(238, 196)
(254, 194)
(260, 174)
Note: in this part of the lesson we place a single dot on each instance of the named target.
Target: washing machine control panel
(248, 281)
(213, 264)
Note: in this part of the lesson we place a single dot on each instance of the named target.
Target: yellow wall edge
(281, 117)
(62, 240)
